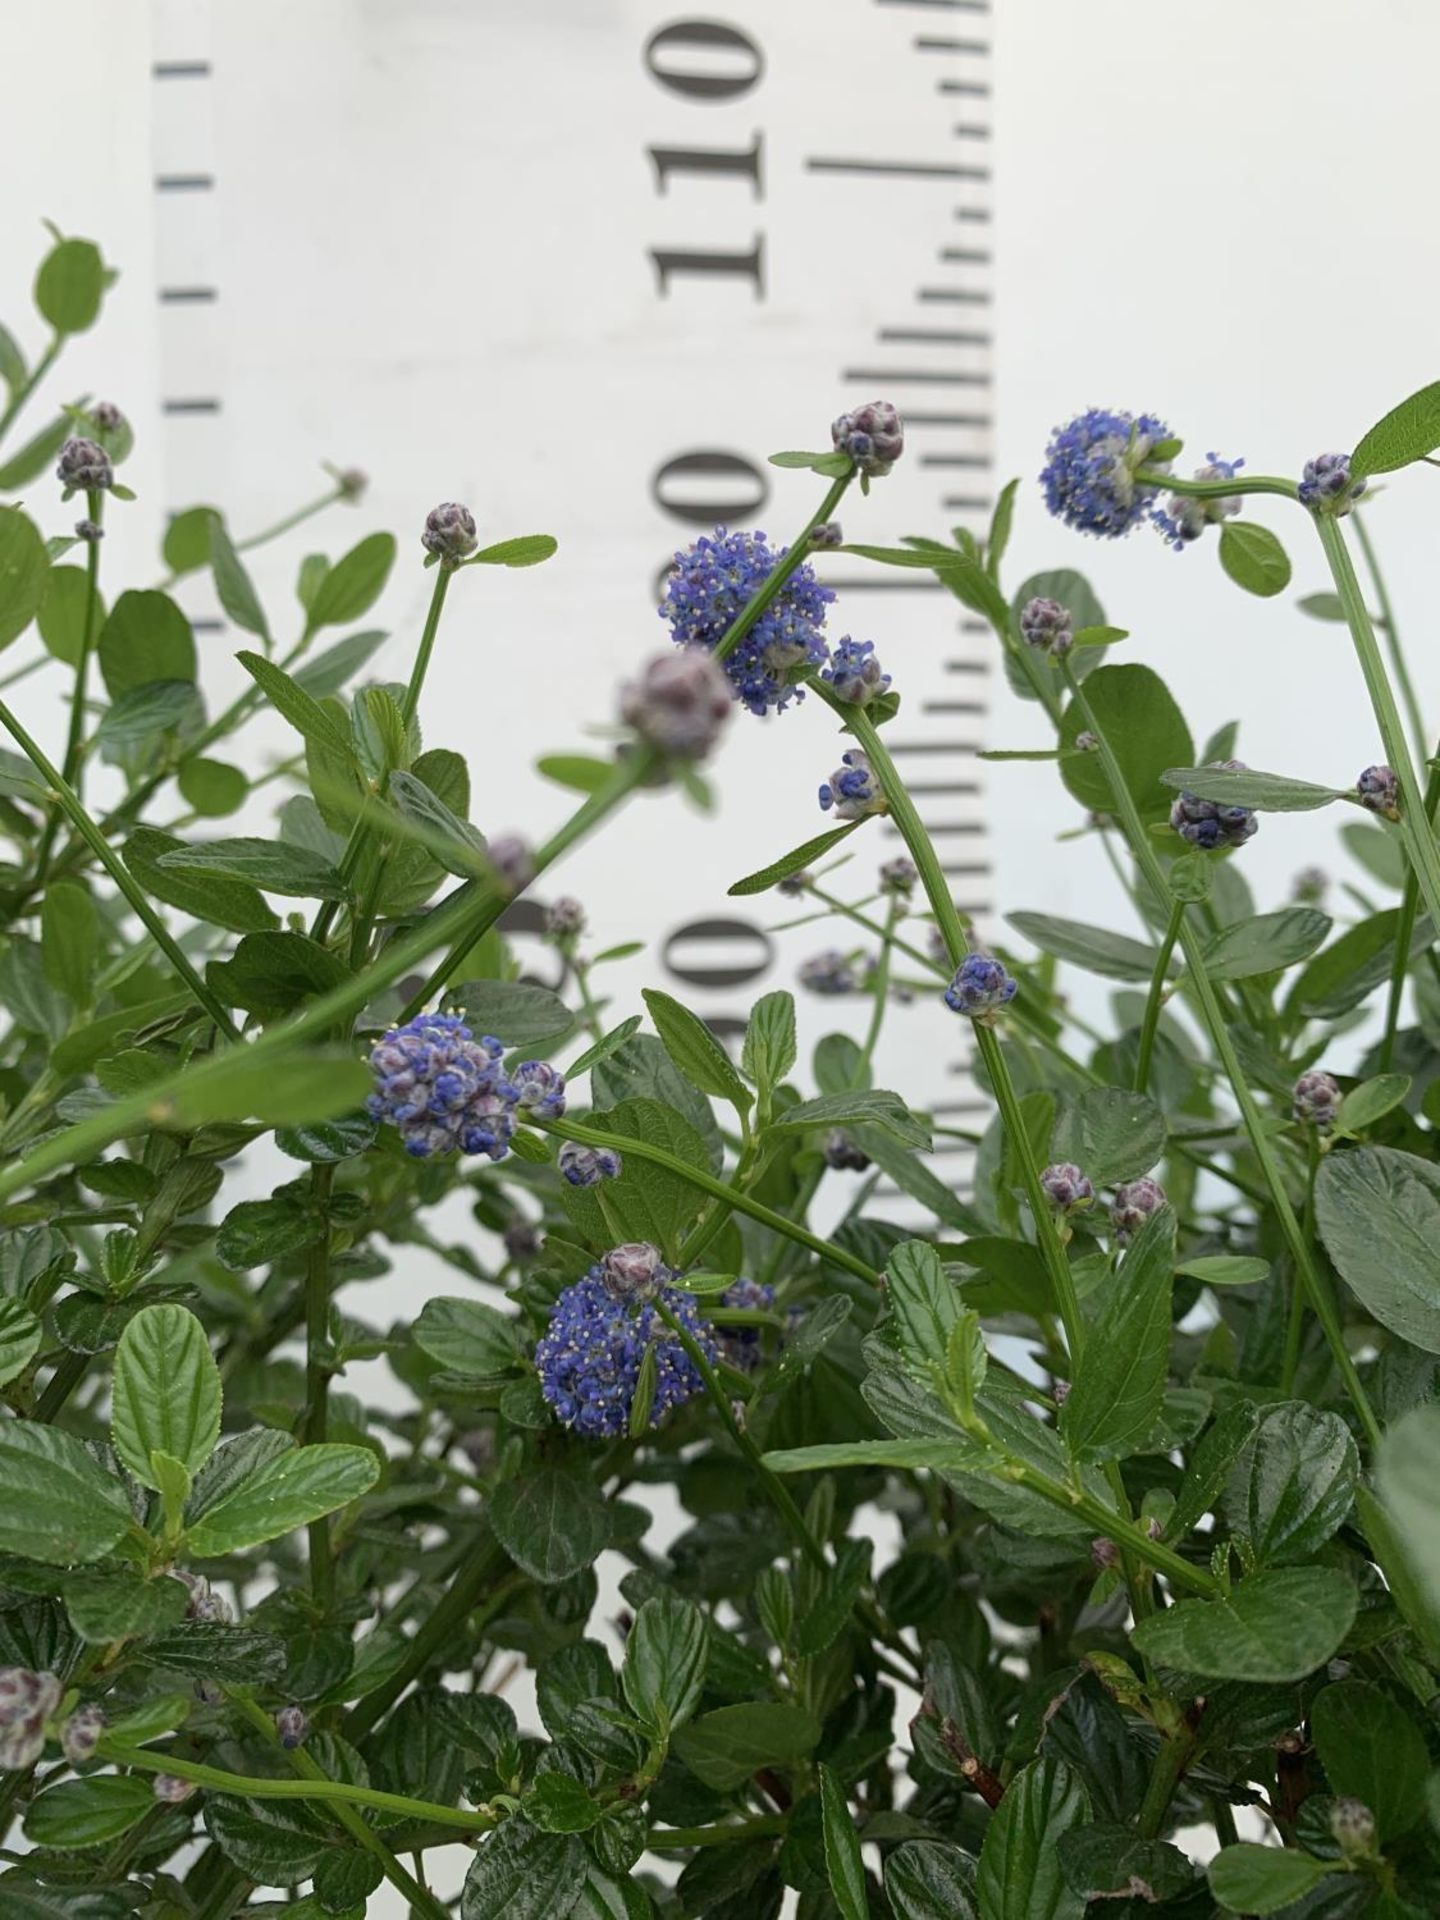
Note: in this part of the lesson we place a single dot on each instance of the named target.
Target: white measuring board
(584, 266)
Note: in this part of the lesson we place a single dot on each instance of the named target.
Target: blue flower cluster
(709, 586)
(584, 1166)
(852, 789)
(444, 1091)
(1090, 468)
(741, 1345)
(1186, 516)
(854, 673)
(590, 1356)
(829, 973)
(981, 986)
(1327, 485)
(1207, 824)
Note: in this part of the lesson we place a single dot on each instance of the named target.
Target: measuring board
(584, 266)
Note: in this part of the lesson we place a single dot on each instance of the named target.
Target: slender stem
(62, 1383)
(707, 1183)
(1220, 489)
(1295, 1322)
(1156, 999)
(1392, 635)
(317, 1373)
(273, 532)
(1405, 933)
(410, 704)
(24, 673)
(784, 567)
(460, 1600)
(72, 766)
(880, 987)
(1250, 1114)
(1177, 1749)
(69, 803)
(671, 1839)
(32, 380)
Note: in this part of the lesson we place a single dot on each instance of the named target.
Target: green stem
(1405, 933)
(460, 1600)
(24, 673)
(1119, 1527)
(410, 704)
(69, 803)
(1392, 635)
(669, 1839)
(1193, 949)
(1150, 1025)
(793, 557)
(32, 380)
(71, 766)
(707, 1183)
(274, 532)
(1177, 1749)
(1295, 1322)
(317, 1374)
(1220, 489)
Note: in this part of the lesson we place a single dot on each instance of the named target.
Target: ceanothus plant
(1153, 1401)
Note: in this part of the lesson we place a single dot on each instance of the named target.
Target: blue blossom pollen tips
(1207, 823)
(852, 789)
(565, 918)
(980, 988)
(449, 532)
(1316, 1100)
(80, 1733)
(709, 587)
(170, 1790)
(1327, 486)
(512, 861)
(1090, 471)
(829, 973)
(84, 467)
(873, 436)
(854, 673)
(842, 1154)
(539, 1089)
(1310, 886)
(590, 1356)
(829, 533)
(1379, 791)
(1187, 515)
(898, 877)
(584, 1166)
(27, 1701)
(441, 1089)
(1046, 625)
(1134, 1202)
(292, 1725)
(1066, 1188)
(680, 704)
(741, 1346)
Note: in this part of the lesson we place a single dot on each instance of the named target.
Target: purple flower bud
(352, 482)
(829, 533)
(854, 672)
(1046, 625)
(27, 1701)
(80, 1733)
(852, 790)
(1209, 824)
(794, 884)
(1187, 516)
(88, 530)
(586, 1166)
(898, 876)
(1066, 1188)
(523, 1240)
(1353, 1827)
(84, 467)
(292, 1724)
(564, 918)
(741, 1346)
(980, 988)
(1310, 886)
(1316, 1100)
(512, 860)
(204, 1604)
(539, 1089)
(106, 417)
(590, 1357)
(1087, 742)
(1326, 486)
(449, 532)
(828, 973)
(680, 704)
(208, 1693)
(1090, 471)
(842, 1153)
(172, 1791)
(1379, 791)
(873, 436)
(1104, 1554)
(634, 1271)
(442, 1089)
(1134, 1202)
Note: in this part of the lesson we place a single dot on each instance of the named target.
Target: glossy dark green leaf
(523, 1874)
(1407, 433)
(57, 1504)
(551, 1523)
(793, 862)
(166, 1394)
(925, 1880)
(1096, 949)
(1251, 1879)
(286, 1492)
(1109, 1862)
(515, 1011)
(1294, 1484)
(1020, 1876)
(1277, 1626)
(1352, 967)
(145, 638)
(106, 1607)
(726, 1747)
(1378, 1212)
(1119, 1383)
(276, 1842)
(20, 1335)
(843, 1864)
(665, 1653)
(90, 1812)
(695, 1050)
(466, 1336)
(1372, 1750)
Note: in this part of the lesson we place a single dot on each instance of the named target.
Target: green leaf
(275, 866)
(793, 862)
(166, 1394)
(926, 1305)
(1407, 433)
(1119, 1384)
(37, 453)
(1248, 1878)
(146, 638)
(12, 361)
(822, 1623)
(1372, 1750)
(219, 902)
(1110, 1862)
(186, 546)
(1020, 1876)
(665, 1655)
(965, 577)
(582, 772)
(275, 1842)
(810, 462)
(70, 286)
(1027, 671)
(1371, 1101)
(328, 1142)
(1254, 558)
(89, 1812)
(330, 669)
(646, 1202)
(1247, 787)
(105, 1607)
(1096, 949)
(212, 787)
(65, 612)
(1225, 1269)
(24, 572)
(1001, 521)
(551, 1523)
(641, 1069)
(233, 584)
(604, 1047)
(303, 710)
(724, 1748)
(1353, 966)
(20, 1334)
(239, 1656)
(912, 1175)
(695, 1050)
(770, 1049)
(874, 1106)
(524, 550)
(283, 1493)
(1265, 943)
(523, 1874)
(137, 723)
(449, 839)
(843, 1865)
(70, 940)
(465, 1336)
(275, 972)
(1408, 1481)
(1109, 1133)
(1277, 1626)
(559, 1803)
(1322, 606)
(515, 1011)
(1294, 1484)
(57, 1504)
(354, 583)
(1378, 1211)
(1135, 711)
(925, 1880)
